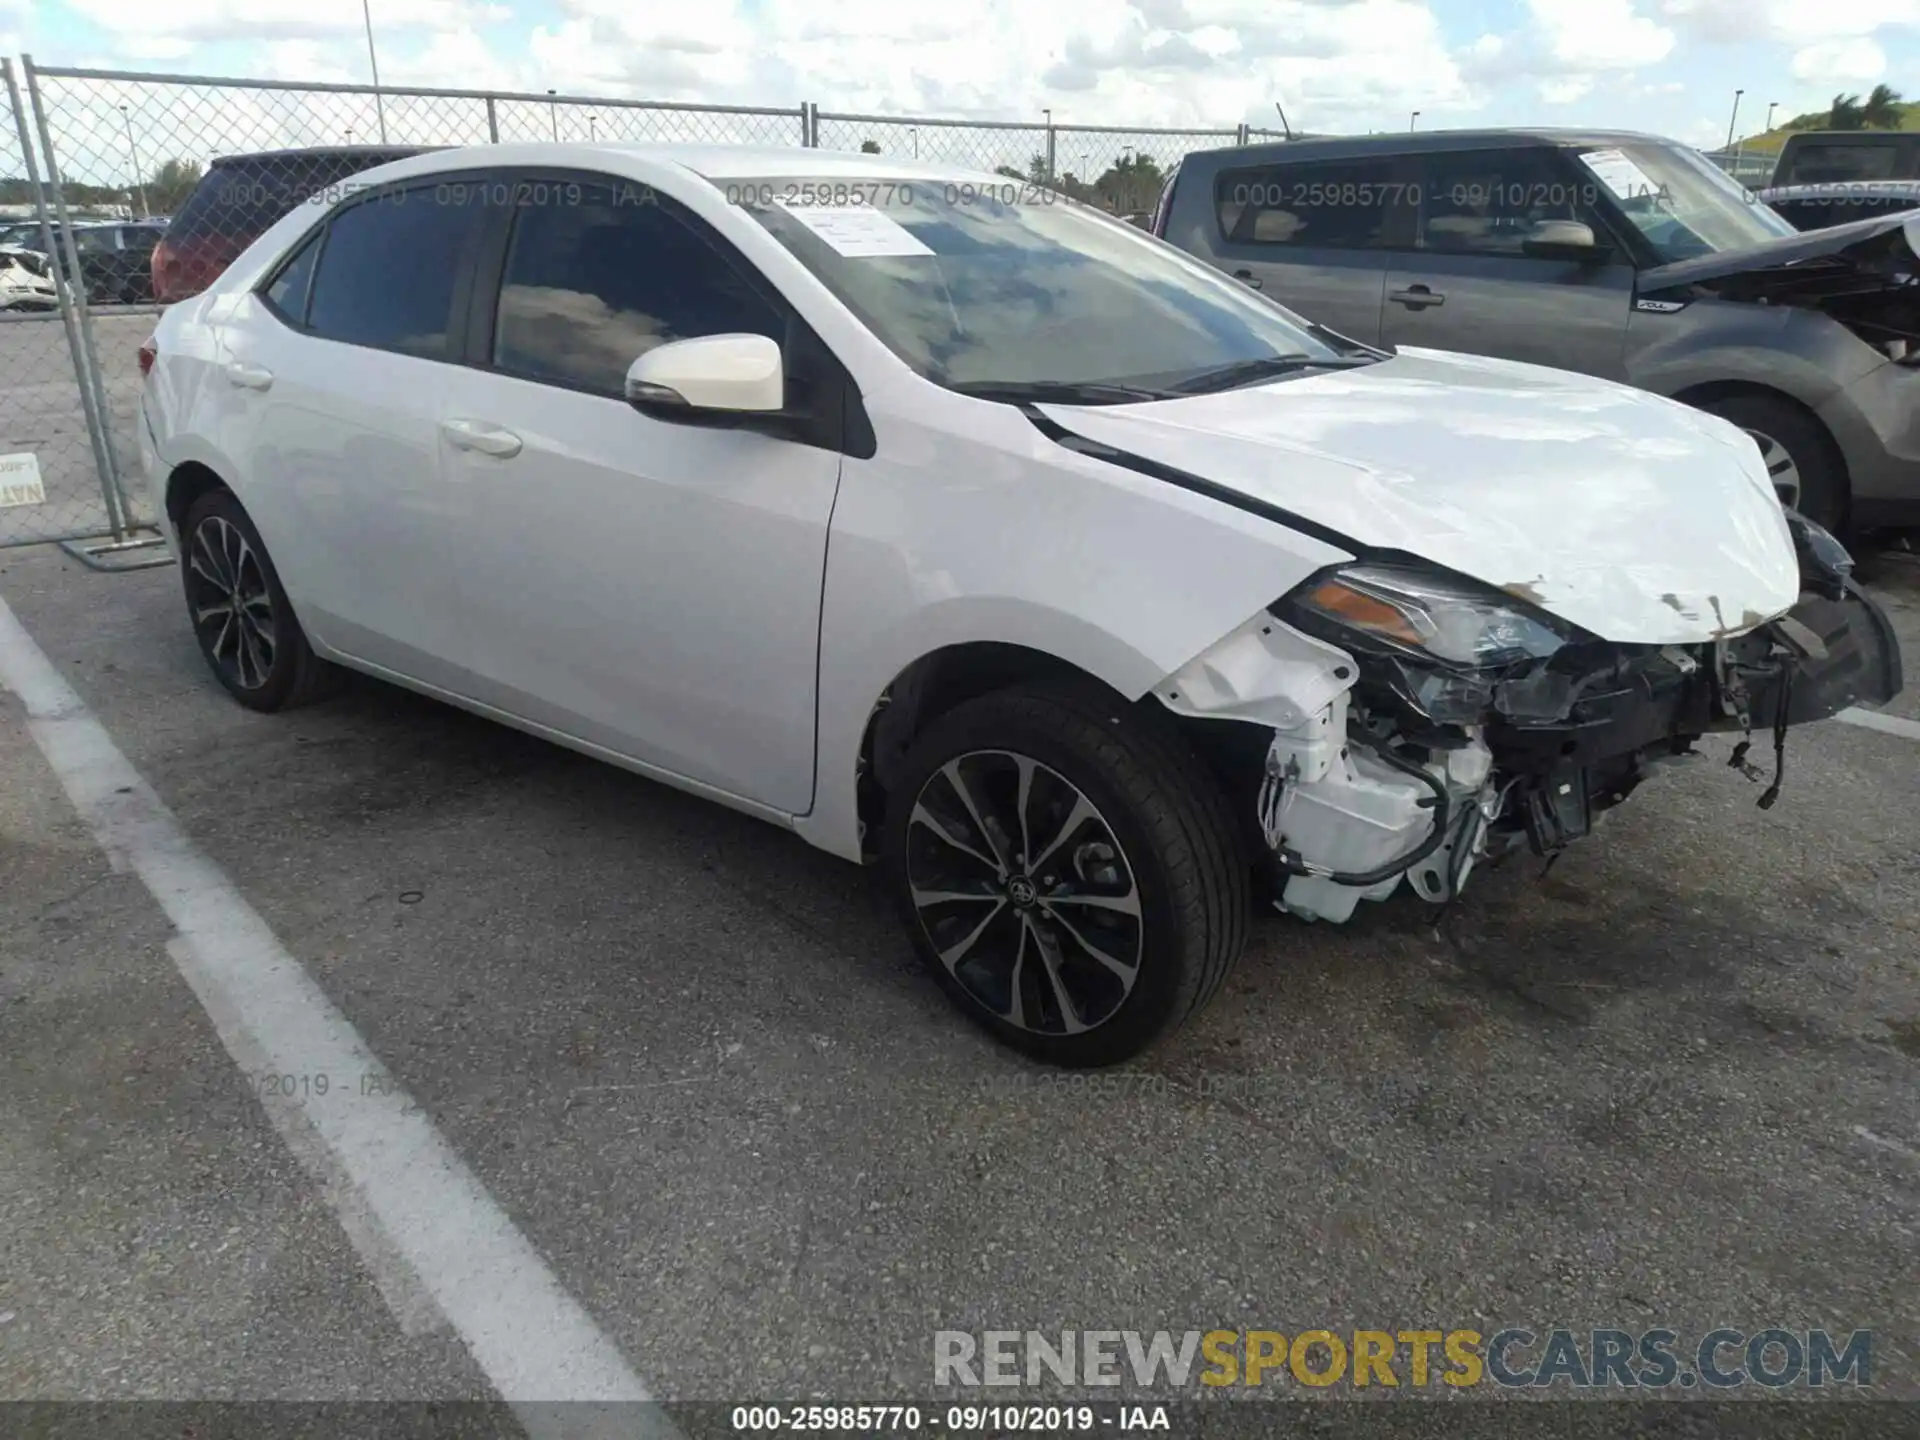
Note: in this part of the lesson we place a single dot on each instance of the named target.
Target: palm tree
(1847, 113)
(1881, 109)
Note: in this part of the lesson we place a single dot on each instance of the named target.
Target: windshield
(983, 285)
(1682, 202)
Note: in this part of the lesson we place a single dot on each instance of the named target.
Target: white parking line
(391, 1168)
(1885, 724)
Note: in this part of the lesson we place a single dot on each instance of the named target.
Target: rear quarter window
(1823, 161)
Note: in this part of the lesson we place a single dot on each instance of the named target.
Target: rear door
(335, 377)
(1466, 282)
(1313, 236)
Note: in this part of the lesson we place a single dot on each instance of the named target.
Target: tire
(1795, 447)
(1155, 834)
(257, 651)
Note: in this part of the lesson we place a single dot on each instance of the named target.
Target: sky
(1670, 66)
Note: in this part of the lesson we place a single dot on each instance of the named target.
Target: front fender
(1119, 575)
(1800, 353)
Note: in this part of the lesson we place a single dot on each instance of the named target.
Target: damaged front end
(1422, 721)
(1862, 274)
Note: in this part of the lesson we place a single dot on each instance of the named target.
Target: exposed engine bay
(1862, 274)
(1421, 723)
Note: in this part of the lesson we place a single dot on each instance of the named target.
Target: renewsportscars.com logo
(1515, 1358)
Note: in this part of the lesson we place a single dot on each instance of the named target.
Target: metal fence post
(809, 124)
(89, 397)
(493, 123)
(87, 355)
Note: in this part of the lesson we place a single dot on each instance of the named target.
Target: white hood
(1637, 518)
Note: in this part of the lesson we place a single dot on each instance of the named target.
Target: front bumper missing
(1538, 775)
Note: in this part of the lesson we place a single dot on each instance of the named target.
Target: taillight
(148, 353)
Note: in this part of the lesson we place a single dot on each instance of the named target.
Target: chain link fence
(122, 155)
(1118, 169)
(56, 474)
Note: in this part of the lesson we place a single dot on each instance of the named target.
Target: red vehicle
(239, 197)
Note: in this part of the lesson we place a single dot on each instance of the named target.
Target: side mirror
(740, 374)
(1563, 240)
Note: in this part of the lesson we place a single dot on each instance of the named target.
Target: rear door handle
(1417, 297)
(1247, 278)
(249, 377)
(480, 436)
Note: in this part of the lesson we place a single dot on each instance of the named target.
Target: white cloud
(208, 20)
(1566, 90)
(1594, 35)
(1840, 62)
(1802, 22)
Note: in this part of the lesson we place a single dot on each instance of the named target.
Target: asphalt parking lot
(1671, 1083)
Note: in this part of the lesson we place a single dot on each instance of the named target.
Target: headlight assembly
(1456, 622)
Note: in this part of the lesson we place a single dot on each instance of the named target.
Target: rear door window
(1330, 204)
(389, 269)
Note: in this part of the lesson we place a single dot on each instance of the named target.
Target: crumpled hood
(1637, 518)
(1873, 244)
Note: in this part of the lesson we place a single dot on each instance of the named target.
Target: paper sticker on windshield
(1619, 174)
(858, 231)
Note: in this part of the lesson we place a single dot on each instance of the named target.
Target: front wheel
(1069, 871)
(1806, 471)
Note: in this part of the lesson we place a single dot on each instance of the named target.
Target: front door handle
(480, 436)
(1417, 297)
(249, 377)
(1247, 278)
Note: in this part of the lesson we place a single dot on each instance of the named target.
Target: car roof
(1340, 147)
(324, 152)
(1867, 137)
(709, 162)
(778, 162)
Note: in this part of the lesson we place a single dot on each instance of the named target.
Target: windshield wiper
(1250, 372)
(1058, 392)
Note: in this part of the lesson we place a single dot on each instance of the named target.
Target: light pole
(139, 188)
(1734, 118)
(553, 117)
(349, 135)
(1049, 114)
(1772, 105)
(379, 105)
(1413, 122)
(592, 133)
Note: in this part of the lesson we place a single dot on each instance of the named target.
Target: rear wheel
(1068, 870)
(1800, 458)
(240, 613)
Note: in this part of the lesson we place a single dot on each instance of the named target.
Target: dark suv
(1834, 177)
(240, 196)
(1624, 256)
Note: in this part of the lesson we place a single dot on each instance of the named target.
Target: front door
(1466, 282)
(647, 586)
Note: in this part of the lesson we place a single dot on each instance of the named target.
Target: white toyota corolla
(964, 529)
